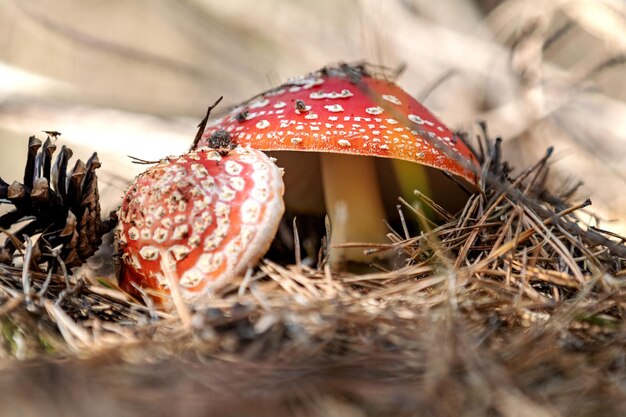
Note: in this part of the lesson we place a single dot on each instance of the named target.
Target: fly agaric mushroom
(213, 213)
(339, 112)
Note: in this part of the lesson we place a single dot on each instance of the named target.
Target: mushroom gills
(364, 188)
(357, 192)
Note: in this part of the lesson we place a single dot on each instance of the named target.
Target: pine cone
(62, 205)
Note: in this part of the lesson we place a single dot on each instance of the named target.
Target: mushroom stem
(411, 176)
(354, 204)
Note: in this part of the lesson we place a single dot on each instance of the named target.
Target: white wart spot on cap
(181, 232)
(280, 105)
(262, 124)
(311, 116)
(344, 143)
(234, 246)
(227, 194)
(212, 241)
(304, 110)
(160, 235)
(247, 233)
(194, 240)
(213, 156)
(201, 205)
(318, 95)
(374, 110)
(133, 233)
(179, 252)
(260, 192)
(199, 170)
(392, 99)
(191, 278)
(345, 93)
(149, 253)
(233, 168)
(159, 212)
(237, 183)
(200, 224)
(222, 209)
(296, 141)
(208, 184)
(418, 120)
(334, 108)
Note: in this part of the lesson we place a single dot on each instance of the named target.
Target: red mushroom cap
(345, 110)
(214, 215)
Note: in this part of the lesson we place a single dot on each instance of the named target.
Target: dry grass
(511, 308)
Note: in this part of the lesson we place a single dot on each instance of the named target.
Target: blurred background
(134, 77)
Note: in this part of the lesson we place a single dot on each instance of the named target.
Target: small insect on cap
(213, 215)
(345, 110)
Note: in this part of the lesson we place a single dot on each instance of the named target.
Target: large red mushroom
(347, 117)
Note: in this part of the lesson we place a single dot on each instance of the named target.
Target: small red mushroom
(213, 212)
(345, 110)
